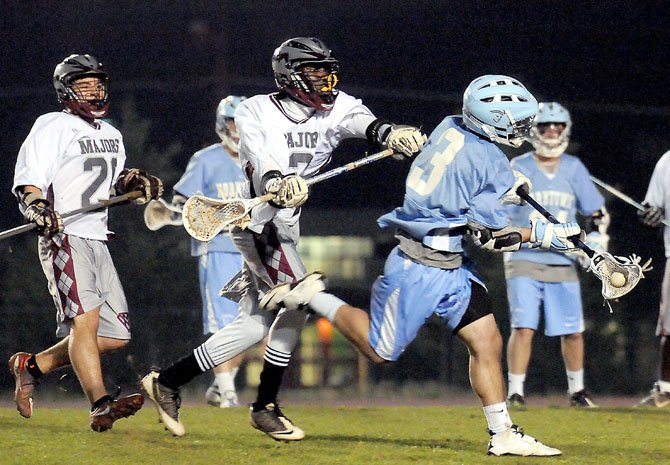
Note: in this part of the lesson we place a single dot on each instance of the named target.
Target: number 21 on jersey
(424, 179)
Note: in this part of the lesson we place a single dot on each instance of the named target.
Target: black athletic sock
(180, 373)
(268, 388)
(32, 368)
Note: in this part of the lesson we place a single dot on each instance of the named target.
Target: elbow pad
(378, 131)
(495, 240)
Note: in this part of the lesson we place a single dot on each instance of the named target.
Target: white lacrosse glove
(511, 197)
(406, 140)
(553, 236)
(290, 191)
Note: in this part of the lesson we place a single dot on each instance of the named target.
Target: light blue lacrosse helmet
(551, 147)
(226, 111)
(499, 108)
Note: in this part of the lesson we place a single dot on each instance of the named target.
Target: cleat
(303, 291)
(25, 383)
(167, 403)
(213, 396)
(656, 398)
(515, 442)
(229, 400)
(582, 399)
(295, 295)
(275, 424)
(103, 417)
(516, 401)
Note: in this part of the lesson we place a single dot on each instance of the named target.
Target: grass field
(335, 435)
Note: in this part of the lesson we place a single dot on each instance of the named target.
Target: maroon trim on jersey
(277, 103)
(272, 256)
(66, 281)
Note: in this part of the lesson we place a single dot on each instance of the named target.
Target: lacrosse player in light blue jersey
(456, 187)
(545, 278)
(215, 172)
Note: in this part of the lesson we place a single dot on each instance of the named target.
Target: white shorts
(663, 326)
(81, 278)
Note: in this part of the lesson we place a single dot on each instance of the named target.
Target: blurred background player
(214, 172)
(657, 203)
(457, 185)
(69, 160)
(544, 278)
(285, 138)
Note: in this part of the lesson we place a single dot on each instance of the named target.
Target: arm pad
(496, 240)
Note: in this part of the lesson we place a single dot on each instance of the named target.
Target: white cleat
(213, 396)
(515, 442)
(167, 403)
(293, 296)
(229, 399)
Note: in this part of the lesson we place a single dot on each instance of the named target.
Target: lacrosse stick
(205, 217)
(624, 197)
(159, 213)
(88, 208)
(619, 275)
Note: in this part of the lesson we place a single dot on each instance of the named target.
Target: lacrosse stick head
(204, 218)
(604, 265)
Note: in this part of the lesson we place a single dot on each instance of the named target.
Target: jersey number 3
(444, 154)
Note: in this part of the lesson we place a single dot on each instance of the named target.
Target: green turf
(335, 435)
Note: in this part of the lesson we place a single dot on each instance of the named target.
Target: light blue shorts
(562, 305)
(408, 294)
(216, 269)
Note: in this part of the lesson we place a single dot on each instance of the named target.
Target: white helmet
(551, 147)
(225, 112)
(499, 108)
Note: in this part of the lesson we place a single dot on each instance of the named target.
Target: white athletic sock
(497, 417)
(326, 304)
(515, 383)
(225, 381)
(663, 386)
(575, 380)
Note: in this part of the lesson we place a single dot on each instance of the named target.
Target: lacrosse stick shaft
(89, 208)
(350, 166)
(617, 193)
(523, 193)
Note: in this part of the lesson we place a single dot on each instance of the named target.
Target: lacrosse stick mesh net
(604, 264)
(204, 218)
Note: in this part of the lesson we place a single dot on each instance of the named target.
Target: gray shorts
(663, 327)
(81, 278)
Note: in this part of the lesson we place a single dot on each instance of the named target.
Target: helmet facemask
(229, 135)
(81, 99)
(313, 84)
(547, 146)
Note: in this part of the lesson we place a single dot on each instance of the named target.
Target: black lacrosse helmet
(77, 67)
(289, 61)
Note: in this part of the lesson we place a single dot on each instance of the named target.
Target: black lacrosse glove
(651, 217)
(138, 180)
(38, 211)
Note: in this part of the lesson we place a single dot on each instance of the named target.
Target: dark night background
(170, 63)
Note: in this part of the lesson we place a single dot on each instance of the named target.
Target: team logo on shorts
(124, 320)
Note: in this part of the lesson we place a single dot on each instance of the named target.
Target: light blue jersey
(568, 192)
(213, 173)
(457, 177)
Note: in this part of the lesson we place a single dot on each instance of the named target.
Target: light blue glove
(554, 236)
(596, 241)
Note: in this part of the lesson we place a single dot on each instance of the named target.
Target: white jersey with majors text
(658, 194)
(270, 139)
(74, 164)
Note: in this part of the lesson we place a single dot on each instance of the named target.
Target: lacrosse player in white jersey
(72, 159)
(544, 279)
(285, 138)
(657, 203)
(456, 186)
(215, 172)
